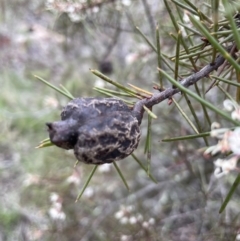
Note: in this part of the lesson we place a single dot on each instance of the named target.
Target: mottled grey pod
(100, 130)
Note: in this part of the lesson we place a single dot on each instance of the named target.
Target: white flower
(212, 150)
(70, 9)
(119, 214)
(186, 17)
(74, 17)
(236, 114)
(234, 141)
(95, 9)
(89, 192)
(105, 168)
(215, 125)
(145, 225)
(57, 205)
(54, 197)
(233, 107)
(218, 133)
(131, 58)
(99, 83)
(124, 220)
(151, 221)
(230, 105)
(74, 178)
(132, 220)
(56, 214)
(123, 215)
(223, 143)
(125, 238)
(238, 236)
(126, 2)
(223, 166)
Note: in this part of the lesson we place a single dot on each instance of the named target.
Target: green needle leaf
(214, 42)
(143, 167)
(232, 190)
(188, 137)
(63, 92)
(121, 175)
(198, 98)
(87, 182)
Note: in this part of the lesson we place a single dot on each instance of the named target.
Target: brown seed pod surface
(100, 130)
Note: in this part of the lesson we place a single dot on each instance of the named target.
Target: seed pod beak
(49, 125)
(63, 133)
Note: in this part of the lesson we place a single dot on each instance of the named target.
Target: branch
(169, 92)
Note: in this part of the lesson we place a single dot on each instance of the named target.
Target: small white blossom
(212, 150)
(223, 143)
(233, 107)
(131, 58)
(56, 214)
(132, 220)
(229, 141)
(124, 220)
(124, 211)
(74, 17)
(119, 214)
(99, 83)
(229, 105)
(145, 225)
(57, 205)
(234, 141)
(151, 221)
(74, 178)
(218, 133)
(126, 2)
(89, 192)
(105, 168)
(186, 18)
(236, 114)
(54, 197)
(70, 9)
(125, 238)
(223, 166)
(215, 125)
(95, 9)
(238, 237)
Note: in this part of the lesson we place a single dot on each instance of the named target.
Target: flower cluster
(228, 142)
(56, 212)
(77, 10)
(126, 215)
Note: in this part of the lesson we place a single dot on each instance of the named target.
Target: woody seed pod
(100, 130)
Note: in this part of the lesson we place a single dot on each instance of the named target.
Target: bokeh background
(60, 41)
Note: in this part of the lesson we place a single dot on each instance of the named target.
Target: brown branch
(169, 92)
